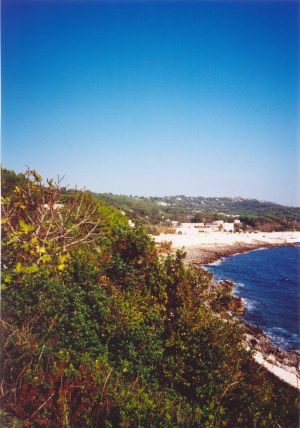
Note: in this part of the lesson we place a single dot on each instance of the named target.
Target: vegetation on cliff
(254, 214)
(99, 330)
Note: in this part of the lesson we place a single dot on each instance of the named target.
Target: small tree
(41, 223)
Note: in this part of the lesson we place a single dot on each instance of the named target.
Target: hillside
(253, 213)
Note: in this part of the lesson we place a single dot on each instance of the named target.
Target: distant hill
(154, 211)
(252, 212)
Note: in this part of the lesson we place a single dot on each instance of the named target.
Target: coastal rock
(271, 357)
(237, 306)
(227, 285)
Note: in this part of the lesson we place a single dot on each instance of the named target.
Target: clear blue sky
(154, 98)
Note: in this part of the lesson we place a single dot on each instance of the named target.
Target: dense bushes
(119, 337)
(271, 221)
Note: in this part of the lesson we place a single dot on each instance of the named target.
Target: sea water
(268, 282)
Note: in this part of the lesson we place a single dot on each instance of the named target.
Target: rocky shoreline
(282, 363)
(208, 254)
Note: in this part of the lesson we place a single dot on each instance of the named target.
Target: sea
(268, 281)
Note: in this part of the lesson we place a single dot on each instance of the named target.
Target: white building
(228, 227)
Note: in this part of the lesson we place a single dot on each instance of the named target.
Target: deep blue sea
(268, 282)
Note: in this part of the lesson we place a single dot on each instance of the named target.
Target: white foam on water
(239, 284)
(217, 262)
(237, 289)
(275, 334)
(249, 303)
(279, 341)
(259, 249)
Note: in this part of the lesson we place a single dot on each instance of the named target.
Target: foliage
(41, 224)
(157, 230)
(118, 337)
(156, 212)
(9, 180)
(271, 221)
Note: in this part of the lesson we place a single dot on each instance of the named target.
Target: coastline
(201, 250)
(209, 247)
(203, 256)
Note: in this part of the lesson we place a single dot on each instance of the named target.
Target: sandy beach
(206, 247)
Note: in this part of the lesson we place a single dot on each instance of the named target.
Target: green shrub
(118, 337)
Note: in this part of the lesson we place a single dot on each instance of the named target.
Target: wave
(258, 249)
(237, 289)
(283, 338)
(239, 284)
(275, 334)
(249, 304)
(217, 262)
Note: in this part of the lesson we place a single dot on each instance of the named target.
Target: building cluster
(215, 226)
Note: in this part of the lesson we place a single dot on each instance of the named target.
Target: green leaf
(64, 257)
(25, 246)
(18, 267)
(7, 278)
(26, 228)
(45, 258)
(32, 269)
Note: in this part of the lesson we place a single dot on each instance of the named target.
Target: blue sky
(154, 98)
